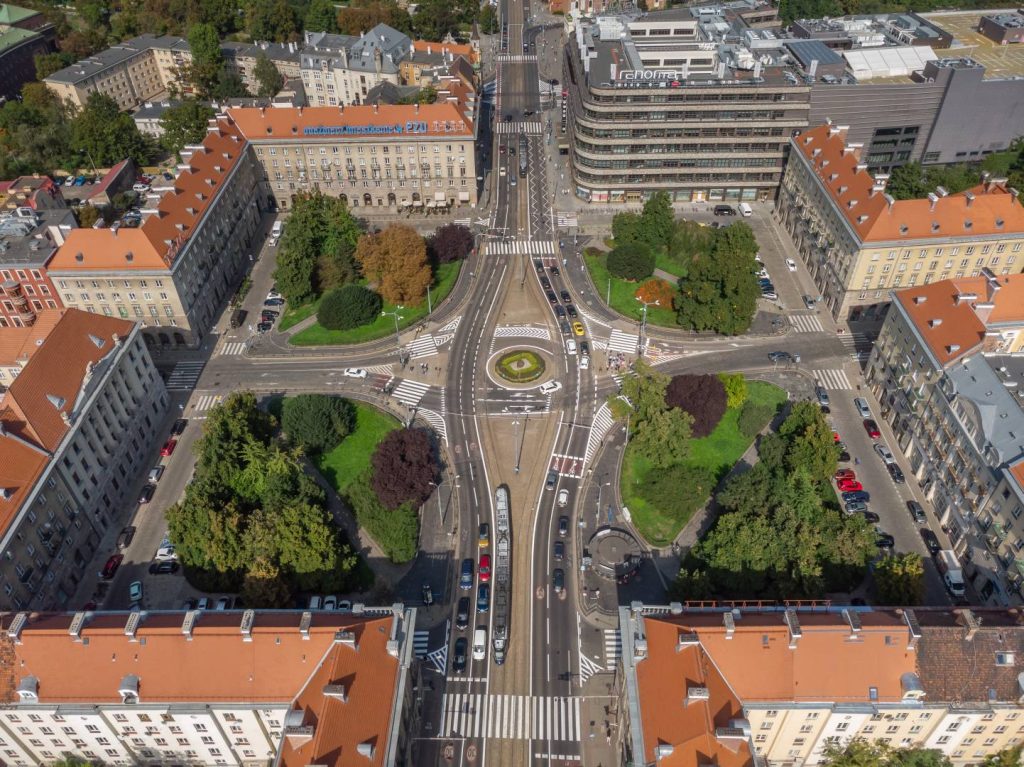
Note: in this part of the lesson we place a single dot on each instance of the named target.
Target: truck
(952, 573)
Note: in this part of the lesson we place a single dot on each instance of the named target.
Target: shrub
(396, 531)
(753, 417)
(678, 491)
(348, 307)
(404, 465)
(702, 396)
(317, 422)
(735, 389)
(631, 261)
(656, 290)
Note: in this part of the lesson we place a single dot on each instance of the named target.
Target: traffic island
(519, 366)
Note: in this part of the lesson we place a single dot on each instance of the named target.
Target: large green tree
(317, 422)
(106, 135)
(899, 579)
(184, 124)
(35, 134)
(268, 79)
(664, 438)
(273, 20)
(321, 16)
(719, 291)
(207, 58)
(642, 395)
(867, 753)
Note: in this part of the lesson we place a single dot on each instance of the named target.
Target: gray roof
(389, 93)
(361, 52)
(26, 241)
(115, 55)
(153, 109)
(992, 394)
(807, 51)
(273, 51)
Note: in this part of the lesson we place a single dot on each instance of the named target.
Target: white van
(480, 644)
(745, 210)
(275, 230)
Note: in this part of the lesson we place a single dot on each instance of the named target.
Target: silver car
(862, 407)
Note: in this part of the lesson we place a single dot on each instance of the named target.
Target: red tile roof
(441, 119)
(987, 209)
(17, 345)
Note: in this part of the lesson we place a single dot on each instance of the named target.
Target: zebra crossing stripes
(566, 220)
(424, 346)
(806, 323)
(519, 247)
(522, 331)
(382, 369)
(439, 659)
(858, 345)
(510, 717)
(622, 342)
(463, 221)
(588, 668)
(410, 392)
(206, 402)
(185, 375)
(532, 128)
(612, 648)
(233, 349)
(451, 327)
(602, 423)
(835, 380)
(421, 644)
(436, 421)
(514, 58)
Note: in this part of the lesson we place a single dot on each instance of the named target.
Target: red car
(484, 568)
(835, 436)
(168, 447)
(872, 429)
(849, 485)
(110, 568)
(845, 474)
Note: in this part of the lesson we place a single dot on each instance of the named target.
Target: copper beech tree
(395, 260)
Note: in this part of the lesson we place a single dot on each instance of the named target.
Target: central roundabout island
(519, 366)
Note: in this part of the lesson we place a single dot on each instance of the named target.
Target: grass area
(717, 453)
(351, 458)
(520, 366)
(315, 335)
(623, 294)
(295, 315)
(665, 262)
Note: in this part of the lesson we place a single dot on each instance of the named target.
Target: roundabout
(519, 366)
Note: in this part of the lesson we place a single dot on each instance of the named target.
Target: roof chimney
(687, 639)
(28, 690)
(793, 624)
(188, 623)
(935, 322)
(913, 629)
(932, 199)
(366, 748)
(336, 691)
(129, 687)
(347, 638)
(696, 695)
(969, 196)
(941, 191)
(970, 621)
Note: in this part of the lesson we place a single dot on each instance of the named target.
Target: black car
(460, 654)
(125, 537)
(783, 357)
(538, 265)
(163, 568)
(558, 580)
(571, 310)
(564, 327)
(274, 302)
(563, 526)
(917, 512)
(268, 315)
(428, 595)
(856, 495)
(552, 298)
(844, 457)
(896, 473)
(147, 494)
(554, 270)
(179, 427)
(263, 327)
(559, 552)
(552, 480)
(559, 311)
(566, 298)
(931, 541)
(870, 516)
(884, 540)
(546, 283)
(462, 614)
(584, 348)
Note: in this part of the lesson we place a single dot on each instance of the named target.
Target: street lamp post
(398, 339)
(643, 321)
(430, 305)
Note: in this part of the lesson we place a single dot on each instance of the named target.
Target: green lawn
(668, 264)
(295, 315)
(623, 294)
(352, 457)
(717, 452)
(315, 335)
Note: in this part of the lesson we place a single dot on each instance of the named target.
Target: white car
(166, 554)
(584, 362)
(791, 264)
(763, 274)
(550, 387)
(140, 188)
(862, 407)
(563, 498)
(354, 373)
(570, 346)
(884, 453)
(273, 294)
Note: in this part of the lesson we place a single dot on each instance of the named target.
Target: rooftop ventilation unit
(697, 694)
(730, 624)
(793, 624)
(248, 619)
(347, 638)
(129, 689)
(28, 690)
(336, 691)
(853, 621)
(131, 628)
(75, 629)
(14, 630)
(687, 640)
(304, 623)
(188, 623)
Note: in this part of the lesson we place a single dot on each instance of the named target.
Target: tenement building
(341, 69)
(84, 404)
(249, 688)
(665, 101)
(858, 242)
(949, 375)
(772, 687)
(29, 239)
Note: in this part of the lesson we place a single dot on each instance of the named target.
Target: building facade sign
(411, 126)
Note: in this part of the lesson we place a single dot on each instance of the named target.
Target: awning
(418, 203)
(463, 196)
(439, 196)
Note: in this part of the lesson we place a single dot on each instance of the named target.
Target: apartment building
(35, 192)
(24, 34)
(75, 423)
(133, 72)
(246, 688)
(949, 375)
(174, 273)
(242, 58)
(858, 242)
(672, 102)
(409, 156)
(28, 241)
(340, 69)
(775, 687)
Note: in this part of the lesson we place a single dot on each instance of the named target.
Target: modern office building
(244, 688)
(24, 34)
(750, 687)
(669, 101)
(28, 241)
(858, 242)
(174, 273)
(408, 156)
(75, 425)
(340, 69)
(948, 373)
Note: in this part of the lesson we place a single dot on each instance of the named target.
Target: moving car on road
(483, 598)
(558, 580)
(484, 536)
(791, 264)
(459, 655)
(462, 614)
(559, 551)
(484, 568)
(577, 328)
(563, 526)
(550, 387)
(563, 498)
(783, 357)
(872, 428)
(354, 373)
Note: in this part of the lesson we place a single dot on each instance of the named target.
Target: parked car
(147, 494)
(856, 507)
(870, 516)
(822, 395)
(460, 654)
(274, 302)
(110, 568)
(559, 551)
(849, 485)
(872, 428)
(845, 474)
(168, 447)
(466, 576)
(896, 473)
(862, 407)
(563, 526)
(125, 537)
(856, 495)
(884, 453)
(883, 540)
(165, 553)
(224, 603)
(484, 568)
(917, 512)
(330, 602)
(462, 614)
(168, 567)
(272, 293)
(483, 598)
(931, 541)
(178, 427)
(155, 473)
(135, 591)
(484, 536)
(558, 580)
(264, 327)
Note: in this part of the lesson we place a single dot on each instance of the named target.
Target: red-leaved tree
(404, 465)
(702, 396)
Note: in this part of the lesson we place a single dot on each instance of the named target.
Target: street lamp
(398, 341)
(643, 321)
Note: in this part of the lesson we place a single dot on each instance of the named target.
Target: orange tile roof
(49, 385)
(155, 244)
(21, 465)
(257, 123)
(951, 328)
(17, 345)
(875, 217)
(455, 49)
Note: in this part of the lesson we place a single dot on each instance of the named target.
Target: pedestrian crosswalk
(858, 345)
(588, 668)
(834, 380)
(424, 346)
(519, 247)
(602, 423)
(421, 644)
(439, 659)
(463, 221)
(806, 323)
(522, 331)
(612, 648)
(510, 717)
(622, 342)
(206, 402)
(185, 375)
(566, 220)
(515, 58)
(234, 348)
(409, 392)
(515, 128)
(436, 421)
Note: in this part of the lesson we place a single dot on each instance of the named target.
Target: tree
(735, 389)
(753, 417)
(268, 78)
(361, 15)
(87, 215)
(185, 124)
(899, 579)
(348, 307)
(271, 20)
(207, 59)
(321, 16)
(396, 531)
(35, 134)
(702, 396)
(263, 585)
(719, 291)
(657, 220)
(404, 466)
(488, 20)
(626, 228)
(677, 491)
(809, 440)
(632, 261)
(642, 395)
(664, 438)
(48, 63)
(229, 85)
(656, 291)
(451, 242)
(396, 261)
(690, 585)
(317, 422)
(868, 753)
(1008, 757)
(106, 134)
